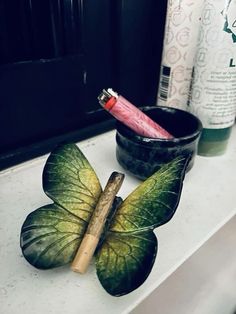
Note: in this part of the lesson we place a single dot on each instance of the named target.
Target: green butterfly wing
(127, 255)
(51, 235)
(125, 260)
(70, 181)
(153, 202)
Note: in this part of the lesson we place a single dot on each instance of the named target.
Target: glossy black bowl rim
(131, 135)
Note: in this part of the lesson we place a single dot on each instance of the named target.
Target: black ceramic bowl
(142, 156)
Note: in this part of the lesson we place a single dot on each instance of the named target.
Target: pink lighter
(131, 116)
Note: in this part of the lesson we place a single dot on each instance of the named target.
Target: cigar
(131, 116)
(96, 225)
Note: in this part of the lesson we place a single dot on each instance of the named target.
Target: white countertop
(208, 201)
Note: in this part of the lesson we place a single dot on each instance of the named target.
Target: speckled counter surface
(208, 201)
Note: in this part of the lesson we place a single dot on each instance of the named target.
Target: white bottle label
(180, 41)
(213, 97)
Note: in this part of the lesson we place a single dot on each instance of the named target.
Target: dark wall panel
(55, 58)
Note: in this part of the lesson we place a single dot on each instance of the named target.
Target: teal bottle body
(214, 142)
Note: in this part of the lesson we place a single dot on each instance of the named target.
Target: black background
(55, 58)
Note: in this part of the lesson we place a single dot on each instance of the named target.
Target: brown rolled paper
(96, 224)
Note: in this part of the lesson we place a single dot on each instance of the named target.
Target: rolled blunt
(91, 238)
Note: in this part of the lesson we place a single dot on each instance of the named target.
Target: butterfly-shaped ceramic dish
(51, 235)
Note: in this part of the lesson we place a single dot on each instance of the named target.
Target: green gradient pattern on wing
(50, 236)
(154, 201)
(125, 261)
(70, 181)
